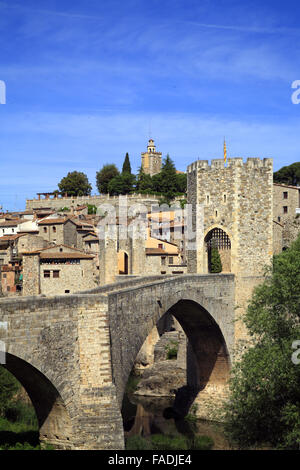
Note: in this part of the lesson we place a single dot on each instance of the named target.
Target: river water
(145, 416)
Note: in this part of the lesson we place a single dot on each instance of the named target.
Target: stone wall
(31, 275)
(73, 202)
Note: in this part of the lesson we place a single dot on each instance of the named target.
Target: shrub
(172, 350)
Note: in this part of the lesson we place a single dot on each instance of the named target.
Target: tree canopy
(121, 184)
(144, 182)
(104, 176)
(75, 183)
(288, 174)
(264, 404)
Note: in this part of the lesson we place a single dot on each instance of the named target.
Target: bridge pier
(99, 424)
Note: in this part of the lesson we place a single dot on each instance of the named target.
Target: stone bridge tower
(233, 208)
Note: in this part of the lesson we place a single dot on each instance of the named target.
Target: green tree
(121, 184)
(104, 176)
(92, 209)
(75, 183)
(165, 182)
(126, 165)
(215, 260)
(8, 387)
(264, 403)
(288, 174)
(144, 182)
(181, 182)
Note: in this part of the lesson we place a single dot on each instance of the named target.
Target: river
(145, 416)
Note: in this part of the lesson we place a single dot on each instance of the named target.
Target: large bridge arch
(205, 313)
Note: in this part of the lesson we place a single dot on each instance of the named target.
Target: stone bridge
(74, 353)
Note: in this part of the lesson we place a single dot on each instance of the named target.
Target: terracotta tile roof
(51, 247)
(52, 221)
(159, 251)
(11, 237)
(11, 223)
(58, 255)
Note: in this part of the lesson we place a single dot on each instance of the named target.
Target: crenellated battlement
(236, 162)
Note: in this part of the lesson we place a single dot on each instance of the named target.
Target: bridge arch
(206, 320)
(52, 415)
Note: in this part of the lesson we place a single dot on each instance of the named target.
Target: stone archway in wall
(217, 237)
(54, 421)
(207, 361)
(123, 262)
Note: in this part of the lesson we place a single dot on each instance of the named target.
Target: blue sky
(87, 79)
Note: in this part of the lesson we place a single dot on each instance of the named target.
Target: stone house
(286, 201)
(57, 270)
(64, 230)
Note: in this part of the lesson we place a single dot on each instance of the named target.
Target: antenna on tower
(150, 129)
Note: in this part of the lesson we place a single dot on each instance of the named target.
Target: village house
(58, 270)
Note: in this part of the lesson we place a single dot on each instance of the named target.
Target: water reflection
(145, 416)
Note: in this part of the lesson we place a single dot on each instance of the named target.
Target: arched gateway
(73, 354)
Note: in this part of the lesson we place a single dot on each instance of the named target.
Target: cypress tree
(215, 260)
(126, 165)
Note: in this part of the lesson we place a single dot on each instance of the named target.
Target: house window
(171, 260)
(8, 289)
(46, 273)
(160, 245)
(207, 199)
(56, 274)
(285, 209)
(285, 195)
(4, 276)
(67, 291)
(224, 197)
(60, 249)
(45, 229)
(278, 219)
(163, 260)
(54, 229)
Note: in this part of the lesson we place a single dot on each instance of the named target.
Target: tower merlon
(234, 162)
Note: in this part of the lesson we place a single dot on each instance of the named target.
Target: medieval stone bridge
(73, 354)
